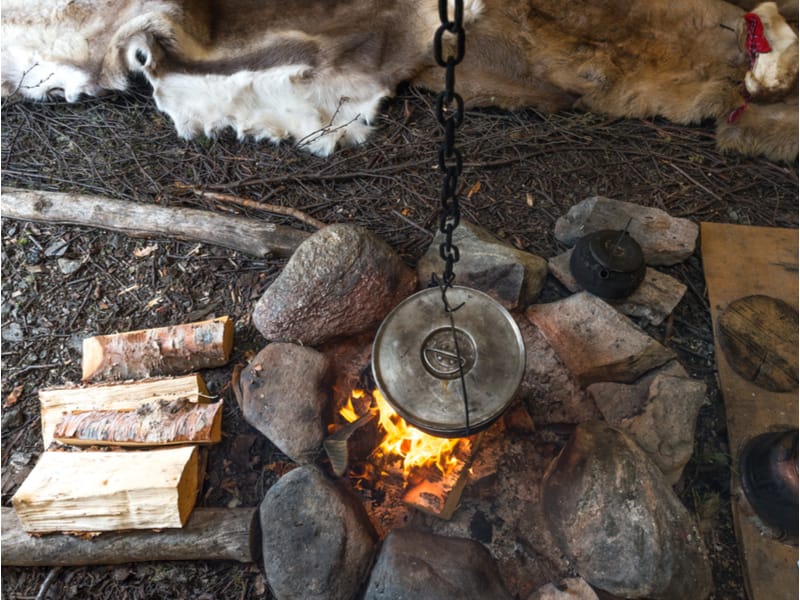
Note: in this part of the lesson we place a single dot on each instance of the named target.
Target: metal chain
(450, 114)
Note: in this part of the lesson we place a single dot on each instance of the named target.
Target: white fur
(774, 70)
(318, 111)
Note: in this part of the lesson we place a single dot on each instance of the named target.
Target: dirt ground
(63, 283)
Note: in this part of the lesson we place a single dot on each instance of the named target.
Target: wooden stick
(109, 491)
(154, 423)
(54, 403)
(248, 203)
(169, 350)
(149, 220)
(210, 534)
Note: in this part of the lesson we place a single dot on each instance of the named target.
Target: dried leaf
(15, 394)
(529, 199)
(146, 251)
(474, 189)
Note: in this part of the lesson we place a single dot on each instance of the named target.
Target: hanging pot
(608, 263)
(418, 358)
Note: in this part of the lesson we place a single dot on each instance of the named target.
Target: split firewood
(109, 491)
(55, 403)
(172, 350)
(154, 423)
(209, 534)
(439, 493)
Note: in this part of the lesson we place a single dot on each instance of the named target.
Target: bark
(54, 403)
(158, 423)
(172, 350)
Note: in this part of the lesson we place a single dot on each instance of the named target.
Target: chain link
(450, 114)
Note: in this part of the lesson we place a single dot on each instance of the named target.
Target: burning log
(209, 534)
(57, 402)
(161, 351)
(109, 491)
(439, 492)
(157, 423)
(431, 470)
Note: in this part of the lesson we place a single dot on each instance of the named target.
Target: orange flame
(415, 447)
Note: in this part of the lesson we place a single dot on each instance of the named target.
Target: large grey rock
(283, 393)
(659, 410)
(423, 566)
(654, 299)
(550, 393)
(317, 541)
(595, 341)
(665, 240)
(340, 281)
(512, 277)
(611, 510)
(618, 401)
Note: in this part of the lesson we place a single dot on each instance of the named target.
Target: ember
(414, 447)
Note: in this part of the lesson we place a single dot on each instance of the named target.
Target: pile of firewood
(124, 449)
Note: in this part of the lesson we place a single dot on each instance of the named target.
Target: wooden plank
(54, 403)
(154, 423)
(741, 261)
(209, 534)
(172, 350)
(109, 491)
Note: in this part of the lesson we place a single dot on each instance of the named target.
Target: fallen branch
(148, 220)
(248, 203)
(210, 534)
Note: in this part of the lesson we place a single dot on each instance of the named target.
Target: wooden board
(741, 261)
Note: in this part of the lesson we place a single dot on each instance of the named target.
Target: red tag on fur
(736, 113)
(755, 43)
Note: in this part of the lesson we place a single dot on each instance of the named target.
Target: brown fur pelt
(316, 71)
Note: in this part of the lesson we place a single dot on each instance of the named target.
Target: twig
(48, 581)
(247, 203)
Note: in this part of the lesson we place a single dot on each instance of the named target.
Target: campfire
(430, 471)
(415, 449)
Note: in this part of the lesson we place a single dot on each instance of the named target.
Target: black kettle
(608, 263)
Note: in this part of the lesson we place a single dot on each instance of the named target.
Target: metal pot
(608, 263)
(419, 355)
(768, 468)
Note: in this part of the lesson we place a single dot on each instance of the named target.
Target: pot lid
(616, 250)
(416, 367)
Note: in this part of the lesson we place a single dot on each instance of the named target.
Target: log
(440, 493)
(209, 534)
(172, 350)
(148, 220)
(154, 423)
(109, 491)
(54, 403)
